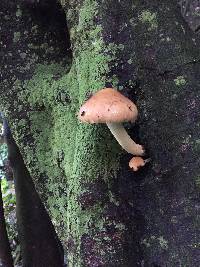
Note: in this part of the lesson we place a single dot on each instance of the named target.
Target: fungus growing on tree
(111, 107)
(136, 162)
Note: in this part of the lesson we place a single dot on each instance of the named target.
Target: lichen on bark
(104, 214)
(66, 159)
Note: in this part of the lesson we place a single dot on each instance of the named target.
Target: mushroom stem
(122, 137)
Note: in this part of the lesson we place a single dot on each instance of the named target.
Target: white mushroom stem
(120, 134)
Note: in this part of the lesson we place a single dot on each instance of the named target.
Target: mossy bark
(105, 214)
(5, 250)
(39, 243)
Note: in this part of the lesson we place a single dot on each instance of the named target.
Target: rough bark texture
(105, 214)
(5, 251)
(38, 241)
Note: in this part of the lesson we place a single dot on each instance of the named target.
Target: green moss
(146, 243)
(18, 12)
(130, 61)
(149, 18)
(87, 14)
(197, 144)
(163, 243)
(197, 181)
(154, 241)
(180, 80)
(65, 151)
(16, 37)
(62, 154)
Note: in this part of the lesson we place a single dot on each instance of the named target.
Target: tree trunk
(105, 214)
(38, 241)
(5, 251)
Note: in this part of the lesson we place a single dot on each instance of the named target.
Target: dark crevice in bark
(50, 19)
(38, 34)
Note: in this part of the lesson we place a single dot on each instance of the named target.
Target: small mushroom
(111, 107)
(136, 162)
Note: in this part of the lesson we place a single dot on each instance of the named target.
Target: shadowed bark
(38, 240)
(5, 251)
(105, 214)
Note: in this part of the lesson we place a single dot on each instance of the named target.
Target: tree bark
(5, 250)
(105, 214)
(38, 240)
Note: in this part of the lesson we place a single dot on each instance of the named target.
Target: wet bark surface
(5, 250)
(149, 218)
(164, 196)
(38, 240)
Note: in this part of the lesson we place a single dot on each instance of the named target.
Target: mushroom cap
(108, 105)
(136, 162)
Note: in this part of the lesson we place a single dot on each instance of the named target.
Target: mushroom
(111, 107)
(136, 162)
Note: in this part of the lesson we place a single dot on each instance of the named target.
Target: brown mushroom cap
(108, 105)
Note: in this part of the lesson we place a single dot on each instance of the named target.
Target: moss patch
(149, 18)
(66, 153)
(180, 81)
